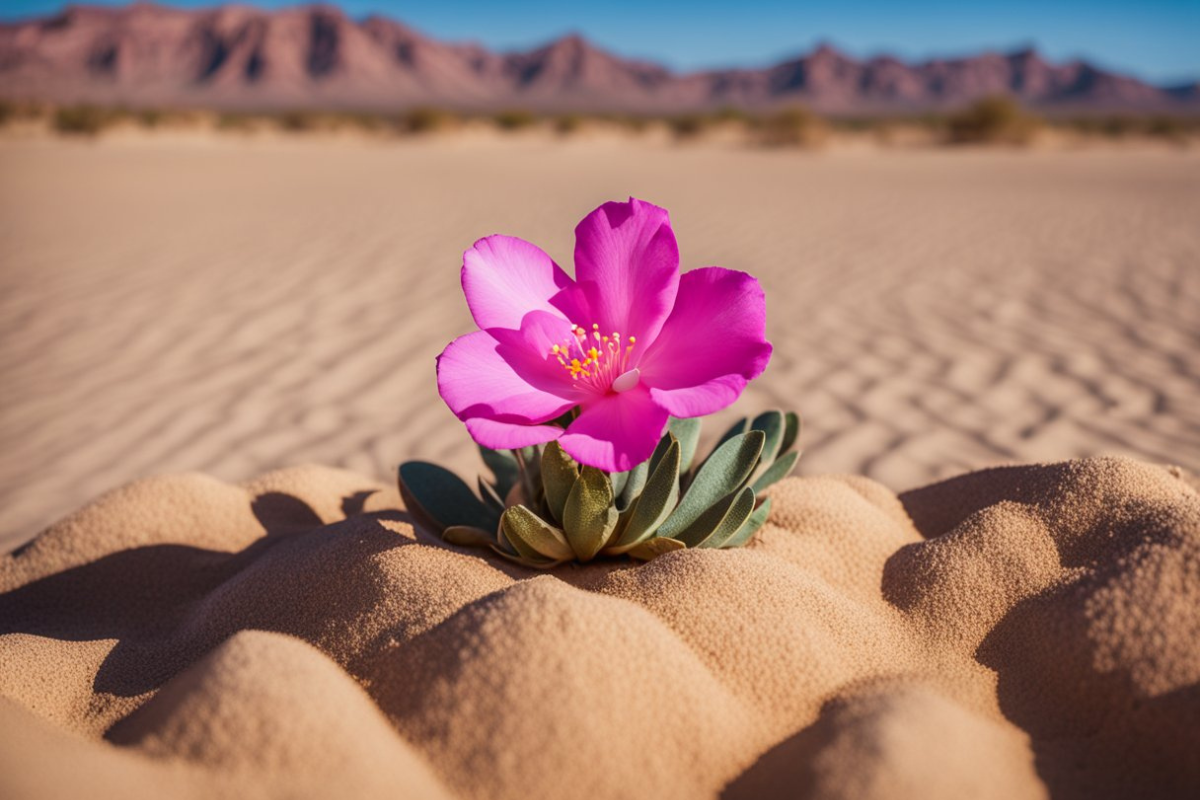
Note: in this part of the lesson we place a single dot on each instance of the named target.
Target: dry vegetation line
(233, 307)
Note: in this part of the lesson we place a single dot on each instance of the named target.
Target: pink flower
(629, 342)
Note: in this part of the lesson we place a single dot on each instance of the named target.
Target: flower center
(597, 360)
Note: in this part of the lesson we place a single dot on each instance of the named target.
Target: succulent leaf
(751, 526)
(719, 477)
(559, 474)
(504, 468)
(619, 481)
(791, 431)
(630, 485)
(466, 536)
(654, 547)
(657, 500)
(535, 562)
(532, 537)
(687, 431)
(776, 472)
(589, 515)
(439, 499)
(773, 425)
(720, 521)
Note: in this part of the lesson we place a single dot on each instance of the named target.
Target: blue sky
(1155, 39)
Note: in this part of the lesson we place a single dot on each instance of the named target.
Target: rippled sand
(231, 307)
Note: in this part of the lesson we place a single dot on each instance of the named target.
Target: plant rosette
(584, 396)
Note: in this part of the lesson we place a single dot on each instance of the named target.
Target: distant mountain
(240, 57)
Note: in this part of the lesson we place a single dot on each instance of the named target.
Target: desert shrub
(234, 121)
(791, 127)
(359, 120)
(567, 124)
(687, 126)
(1166, 127)
(631, 122)
(298, 121)
(730, 114)
(513, 119)
(992, 120)
(150, 117)
(423, 120)
(7, 111)
(81, 120)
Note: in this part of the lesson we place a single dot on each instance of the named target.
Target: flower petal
(504, 278)
(509, 436)
(477, 382)
(713, 343)
(616, 432)
(627, 266)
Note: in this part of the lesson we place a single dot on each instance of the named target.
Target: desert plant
(992, 120)
(150, 117)
(731, 114)
(423, 119)
(566, 124)
(542, 508)
(298, 121)
(687, 126)
(7, 111)
(513, 119)
(791, 127)
(234, 121)
(81, 120)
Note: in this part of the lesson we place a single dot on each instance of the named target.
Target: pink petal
(712, 344)
(504, 278)
(509, 436)
(527, 351)
(627, 266)
(477, 382)
(616, 432)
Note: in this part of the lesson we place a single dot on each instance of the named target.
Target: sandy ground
(1010, 634)
(233, 307)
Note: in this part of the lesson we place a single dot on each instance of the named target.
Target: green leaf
(657, 500)
(773, 424)
(777, 471)
(619, 481)
(687, 431)
(532, 537)
(503, 467)
(720, 521)
(750, 526)
(721, 475)
(791, 431)
(536, 562)
(655, 547)
(627, 485)
(589, 516)
(559, 473)
(438, 498)
(638, 475)
(466, 536)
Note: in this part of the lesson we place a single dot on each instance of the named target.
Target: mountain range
(242, 57)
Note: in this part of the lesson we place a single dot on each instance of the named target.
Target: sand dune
(1011, 633)
(234, 307)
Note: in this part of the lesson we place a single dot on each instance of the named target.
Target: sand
(1019, 632)
(182, 322)
(234, 307)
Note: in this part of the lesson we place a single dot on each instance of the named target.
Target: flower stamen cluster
(602, 359)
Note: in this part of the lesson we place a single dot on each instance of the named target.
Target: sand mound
(1015, 632)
